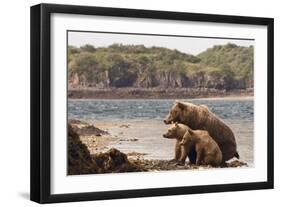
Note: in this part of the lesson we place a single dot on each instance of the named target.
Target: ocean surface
(145, 120)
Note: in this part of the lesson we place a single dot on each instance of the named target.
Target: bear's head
(172, 132)
(175, 112)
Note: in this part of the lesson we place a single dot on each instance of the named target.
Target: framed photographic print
(133, 103)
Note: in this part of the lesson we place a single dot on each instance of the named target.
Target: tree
(88, 48)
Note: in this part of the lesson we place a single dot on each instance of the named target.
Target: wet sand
(144, 140)
(137, 146)
(141, 138)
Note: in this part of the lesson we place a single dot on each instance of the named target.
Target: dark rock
(114, 161)
(86, 129)
(79, 158)
(158, 92)
(90, 130)
(236, 163)
(76, 122)
(124, 126)
(81, 162)
(129, 140)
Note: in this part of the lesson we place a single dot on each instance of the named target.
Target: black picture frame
(41, 99)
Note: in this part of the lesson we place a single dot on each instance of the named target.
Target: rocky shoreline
(88, 153)
(153, 93)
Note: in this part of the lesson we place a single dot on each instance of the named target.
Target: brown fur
(208, 152)
(176, 134)
(199, 117)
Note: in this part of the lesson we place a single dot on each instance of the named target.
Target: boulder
(114, 161)
(85, 129)
(78, 155)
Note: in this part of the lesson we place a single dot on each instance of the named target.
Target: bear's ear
(181, 105)
(204, 107)
(190, 131)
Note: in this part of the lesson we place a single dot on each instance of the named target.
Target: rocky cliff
(225, 67)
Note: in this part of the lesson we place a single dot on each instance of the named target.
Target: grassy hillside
(221, 67)
(230, 57)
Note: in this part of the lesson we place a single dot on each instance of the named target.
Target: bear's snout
(168, 135)
(167, 121)
(165, 135)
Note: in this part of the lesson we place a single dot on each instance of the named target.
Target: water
(146, 122)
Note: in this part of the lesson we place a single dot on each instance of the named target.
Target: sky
(190, 45)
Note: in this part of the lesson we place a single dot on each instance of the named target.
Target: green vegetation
(221, 67)
(232, 58)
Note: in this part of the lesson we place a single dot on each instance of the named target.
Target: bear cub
(207, 150)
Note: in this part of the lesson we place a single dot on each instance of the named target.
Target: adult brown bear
(199, 117)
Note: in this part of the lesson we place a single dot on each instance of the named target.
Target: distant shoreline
(156, 93)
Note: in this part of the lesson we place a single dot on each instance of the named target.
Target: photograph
(141, 102)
